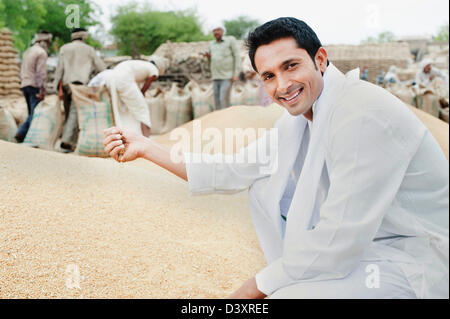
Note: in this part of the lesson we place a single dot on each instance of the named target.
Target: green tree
(55, 19)
(442, 34)
(140, 29)
(383, 37)
(23, 18)
(241, 26)
(26, 17)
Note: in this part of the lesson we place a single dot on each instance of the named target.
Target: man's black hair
(44, 32)
(78, 30)
(280, 28)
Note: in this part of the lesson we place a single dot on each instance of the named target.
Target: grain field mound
(75, 227)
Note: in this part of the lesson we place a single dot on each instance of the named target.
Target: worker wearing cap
(77, 60)
(124, 82)
(33, 75)
(225, 65)
(427, 73)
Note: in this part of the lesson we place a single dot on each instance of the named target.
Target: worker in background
(427, 73)
(76, 62)
(128, 96)
(225, 61)
(391, 76)
(33, 75)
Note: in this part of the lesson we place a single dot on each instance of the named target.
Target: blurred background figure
(391, 76)
(33, 76)
(365, 74)
(225, 65)
(77, 60)
(129, 105)
(427, 73)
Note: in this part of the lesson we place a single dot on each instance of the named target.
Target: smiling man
(358, 207)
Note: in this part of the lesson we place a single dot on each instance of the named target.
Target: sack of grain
(94, 115)
(427, 101)
(8, 127)
(237, 95)
(157, 108)
(18, 109)
(403, 92)
(202, 98)
(252, 93)
(178, 107)
(443, 114)
(46, 125)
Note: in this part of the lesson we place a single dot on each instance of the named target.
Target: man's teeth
(294, 96)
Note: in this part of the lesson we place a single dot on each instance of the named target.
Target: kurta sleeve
(41, 70)
(98, 63)
(236, 57)
(222, 173)
(369, 156)
(59, 72)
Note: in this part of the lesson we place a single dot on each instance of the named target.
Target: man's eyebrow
(289, 61)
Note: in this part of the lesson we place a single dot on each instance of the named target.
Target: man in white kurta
(354, 200)
(371, 223)
(129, 105)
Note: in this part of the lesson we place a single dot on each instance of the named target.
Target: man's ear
(321, 59)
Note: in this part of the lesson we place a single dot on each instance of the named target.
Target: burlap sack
(178, 107)
(18, 109)
(94, 115)
(443, 114)
(157, 107)
(427, 101)
(46, 125)
(237, 96)
(8, 127)
(252, 93)
(202, 98)
(403, 92)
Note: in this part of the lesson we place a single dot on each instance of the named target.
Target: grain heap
(9, 66)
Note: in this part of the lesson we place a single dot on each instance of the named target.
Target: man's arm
(41, 74)
(147, 84)
(59, 72)
(236, 58)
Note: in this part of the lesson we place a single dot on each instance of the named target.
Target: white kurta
(129, 105)
(382, 198)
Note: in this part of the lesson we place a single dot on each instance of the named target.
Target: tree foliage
(241, 26)
(383, 37)
(26, 17)
(442, 34)
(140, 30)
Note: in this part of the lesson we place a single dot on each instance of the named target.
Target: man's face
(218, 33)
(427, 68)
(289, 74)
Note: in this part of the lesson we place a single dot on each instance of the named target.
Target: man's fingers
(115, 152)
(110, 138)
(112, 145)
(112, 130)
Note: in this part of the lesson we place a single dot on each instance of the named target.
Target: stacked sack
(9, 66)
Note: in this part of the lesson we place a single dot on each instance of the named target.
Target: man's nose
(284, 83)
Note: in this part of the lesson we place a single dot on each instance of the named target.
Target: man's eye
(292, 65)
(267, 77)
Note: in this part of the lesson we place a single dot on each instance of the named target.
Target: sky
(335, 22)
